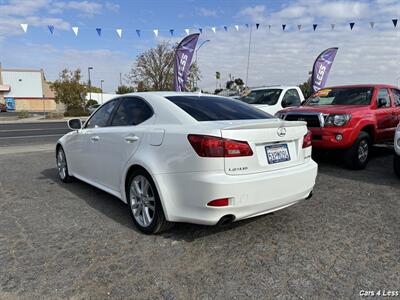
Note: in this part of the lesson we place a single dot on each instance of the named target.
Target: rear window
(267, 96)
(206, 108)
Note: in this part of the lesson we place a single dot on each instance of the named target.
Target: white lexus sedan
(183, 157)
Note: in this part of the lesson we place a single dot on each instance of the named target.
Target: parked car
(396, 162)
(92, 108)
(274, 98)
(350, 118)
(3, 107)
(183, 157)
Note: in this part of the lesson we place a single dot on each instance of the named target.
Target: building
(26, 90)
(100, 97)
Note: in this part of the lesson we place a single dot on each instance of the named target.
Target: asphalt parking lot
(74, 241)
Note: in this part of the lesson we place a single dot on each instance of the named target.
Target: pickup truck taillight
(212, 146)
(307, 141)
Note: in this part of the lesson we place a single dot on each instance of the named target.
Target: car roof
(171, 94)
(283, 87)
(363, 85)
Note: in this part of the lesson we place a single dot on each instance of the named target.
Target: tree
(94, 89)
(153, 70)
(305, 87)
(69, 90)
(239, 82)
(91, 102)
(124, 89)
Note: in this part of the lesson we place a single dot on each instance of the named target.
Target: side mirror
(74, 124)
(284, 103)
(382, 102)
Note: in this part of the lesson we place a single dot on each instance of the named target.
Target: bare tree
(153, 70)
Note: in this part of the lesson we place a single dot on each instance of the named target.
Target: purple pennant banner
(321, 68)
(183, 59)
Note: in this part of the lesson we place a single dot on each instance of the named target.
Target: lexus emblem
(281, 131)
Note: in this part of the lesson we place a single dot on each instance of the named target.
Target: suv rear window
(206, 108)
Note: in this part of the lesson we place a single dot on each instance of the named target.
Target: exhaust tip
(309, 196)
(226, 220)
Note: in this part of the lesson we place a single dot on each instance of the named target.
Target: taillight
(307, 141)
(219, 202)
(212, 146)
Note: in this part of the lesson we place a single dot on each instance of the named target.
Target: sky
(365, 55)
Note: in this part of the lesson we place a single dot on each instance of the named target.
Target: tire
(144, 204)
(62, 165)
(356, 158)
(396, 165)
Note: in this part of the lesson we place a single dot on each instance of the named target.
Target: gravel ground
(74, 241)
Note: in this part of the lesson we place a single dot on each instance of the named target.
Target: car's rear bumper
(185, 195)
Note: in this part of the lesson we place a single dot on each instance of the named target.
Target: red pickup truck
(350, 118)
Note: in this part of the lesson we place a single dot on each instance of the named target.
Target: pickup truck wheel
(396, 164)
(356, 158)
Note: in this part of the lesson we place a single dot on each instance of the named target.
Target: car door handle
(131, 138)
(95, 138)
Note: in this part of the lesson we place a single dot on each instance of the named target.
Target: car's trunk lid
(275, 145)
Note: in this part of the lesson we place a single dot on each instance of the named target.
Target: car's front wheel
(396, 164)
(62, 165)
(144, 203)
(357, 156)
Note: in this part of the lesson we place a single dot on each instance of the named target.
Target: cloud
(255, 14)
(107, 64)
(22, 7)
(112, 6)
(364, 56)
(205, 12)
(85, 8)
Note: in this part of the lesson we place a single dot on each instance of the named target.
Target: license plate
(277, 153)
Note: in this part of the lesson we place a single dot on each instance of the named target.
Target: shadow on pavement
(116, 210)
(103, 202)
(379, 170)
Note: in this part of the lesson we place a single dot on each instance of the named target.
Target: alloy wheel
(61, 164)
(142, 200)
(363, 150)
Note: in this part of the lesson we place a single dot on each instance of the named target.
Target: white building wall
(23, 84)
(101, 98)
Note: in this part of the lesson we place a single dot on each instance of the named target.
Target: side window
(291, 98)
(383, 98)
(131, 111)
(396, 96)
(102, 116)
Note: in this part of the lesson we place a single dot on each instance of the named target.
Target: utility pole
(248, 57)
(90, 83)
(198, 48)
(101, 86)
(120, 79)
